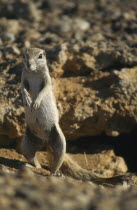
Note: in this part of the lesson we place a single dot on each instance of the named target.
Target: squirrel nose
(31, 64)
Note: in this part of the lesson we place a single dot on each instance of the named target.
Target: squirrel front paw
(36, 104)
(27, 101)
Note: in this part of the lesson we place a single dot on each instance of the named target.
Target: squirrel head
(34, 59)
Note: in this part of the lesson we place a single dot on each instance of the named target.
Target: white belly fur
(41, 120)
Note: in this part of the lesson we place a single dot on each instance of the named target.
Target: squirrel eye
(40, 56)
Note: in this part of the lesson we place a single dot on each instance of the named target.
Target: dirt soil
(14, 161)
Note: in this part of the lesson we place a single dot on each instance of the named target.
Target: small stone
(25, 172)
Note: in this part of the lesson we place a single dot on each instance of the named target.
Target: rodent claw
(36, 104)
(58, 174)
(27, 101)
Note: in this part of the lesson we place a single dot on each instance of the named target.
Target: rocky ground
(25, 188)
(91, 47)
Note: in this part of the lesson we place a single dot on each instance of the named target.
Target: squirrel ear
(44, 53)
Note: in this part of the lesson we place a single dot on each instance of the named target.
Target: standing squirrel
(42, 121)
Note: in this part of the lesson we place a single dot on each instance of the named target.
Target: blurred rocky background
(91, 47)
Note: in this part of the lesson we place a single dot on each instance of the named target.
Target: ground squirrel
(41, 113)
(42, 121)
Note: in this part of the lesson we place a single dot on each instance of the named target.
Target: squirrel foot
(31, 166)
(58, 174)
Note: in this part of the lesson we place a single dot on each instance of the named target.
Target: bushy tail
(72, 169)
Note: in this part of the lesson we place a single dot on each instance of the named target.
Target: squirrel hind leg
(29, 147)
(57, 144)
